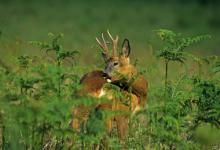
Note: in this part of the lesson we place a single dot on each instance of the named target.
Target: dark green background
(81, 21)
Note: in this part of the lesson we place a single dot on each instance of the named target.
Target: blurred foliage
(175, 44)
(81, 21)
(174, 48)
(37, 97)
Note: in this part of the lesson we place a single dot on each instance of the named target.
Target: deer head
(117, 63)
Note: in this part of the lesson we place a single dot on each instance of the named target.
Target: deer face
(117, 64)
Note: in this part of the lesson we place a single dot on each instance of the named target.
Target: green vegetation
(39, 79)
(37, 98)
(174, 47)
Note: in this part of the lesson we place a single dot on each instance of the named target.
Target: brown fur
(92, 83)
(125, 75)
(138, 87)
(122, 74)
(136, 82)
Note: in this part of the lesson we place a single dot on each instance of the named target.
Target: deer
(122, 72)
(119, 72)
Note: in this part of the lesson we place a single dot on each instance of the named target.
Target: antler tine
(103, 45)
(103, 38)
(109, 34)
(100, 44)
(114, 43)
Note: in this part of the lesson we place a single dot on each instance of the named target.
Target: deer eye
(115, 63)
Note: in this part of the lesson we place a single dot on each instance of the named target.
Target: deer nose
(107, 77)
(105, 74)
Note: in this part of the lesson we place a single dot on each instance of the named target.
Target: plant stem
(59, 76)
(166, 75)
(42, 135)
(2, 142)
(33, 135)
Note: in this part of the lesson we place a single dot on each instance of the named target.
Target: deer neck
(128, 71)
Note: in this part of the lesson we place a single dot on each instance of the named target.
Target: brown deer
(123, 73)
(119, 72)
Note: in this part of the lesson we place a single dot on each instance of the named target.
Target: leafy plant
(174, 46)
(37, 97)
(207, 100)
(61, 54)
(217, 66)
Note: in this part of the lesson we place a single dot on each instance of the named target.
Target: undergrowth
(37, 97)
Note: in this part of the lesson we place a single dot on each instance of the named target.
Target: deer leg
(122, 126)
(79, 115)
(109, 120)
(75, 123)
(109, 123)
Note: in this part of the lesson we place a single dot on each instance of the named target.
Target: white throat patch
(109, 81)
(102, 93)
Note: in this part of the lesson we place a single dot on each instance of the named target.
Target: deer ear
(126, 48)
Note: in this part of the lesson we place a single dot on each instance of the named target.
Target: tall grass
(37, 97)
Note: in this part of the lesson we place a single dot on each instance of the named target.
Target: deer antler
(114, 43)
(103, 45)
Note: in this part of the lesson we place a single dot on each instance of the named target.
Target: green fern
(174, 46)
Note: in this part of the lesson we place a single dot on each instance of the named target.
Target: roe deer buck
(121, 73)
